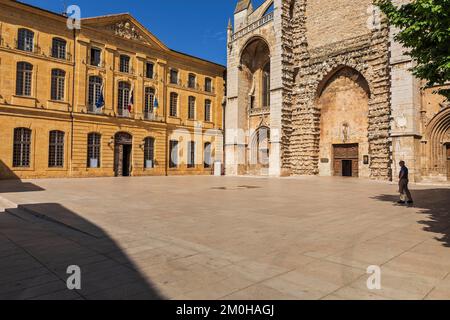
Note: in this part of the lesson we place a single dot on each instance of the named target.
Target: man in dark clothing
(403, 184)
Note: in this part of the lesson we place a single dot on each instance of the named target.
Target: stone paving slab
(207, 238)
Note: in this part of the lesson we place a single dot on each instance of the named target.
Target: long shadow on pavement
(10, 182)
(435, 203)
(39, 242)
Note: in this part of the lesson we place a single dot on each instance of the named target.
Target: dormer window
(124, 64)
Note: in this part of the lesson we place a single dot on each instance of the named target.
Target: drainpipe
(166, 167)
(73, 101)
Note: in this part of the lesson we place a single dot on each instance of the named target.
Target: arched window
(208, 85)
(59, 48)
(173, 104)
(124, 63)
(56, 149)
(24, 78)
(22, 147)
(191, 108)
(208, 110)
(266, 86)
(93, 150)
(149, 100)
(192, 81)
(25, 40)
(207, 159)
(58, 84)
(149, 153)
(123, 98)
(94, 92)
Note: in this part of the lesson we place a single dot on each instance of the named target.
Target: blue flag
(100, 100)
(155, 103)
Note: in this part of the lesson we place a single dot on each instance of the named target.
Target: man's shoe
(410, 202)
(401, 202)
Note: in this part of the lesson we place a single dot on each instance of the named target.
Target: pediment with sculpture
(126, 27)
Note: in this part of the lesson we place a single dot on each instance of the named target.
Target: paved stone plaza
(222, 238)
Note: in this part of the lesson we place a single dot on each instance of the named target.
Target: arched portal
(259, 151)
(438, 146)
(343, 100)
(254, 104)
(255, 73)
(123, 147)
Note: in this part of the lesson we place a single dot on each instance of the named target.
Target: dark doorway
(122, 154)
(346, 160)
(347, 168)
(126, 169)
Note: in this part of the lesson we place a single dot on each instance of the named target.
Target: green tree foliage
(425, 31)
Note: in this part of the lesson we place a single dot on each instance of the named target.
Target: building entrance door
(122, 154)
(346, 160)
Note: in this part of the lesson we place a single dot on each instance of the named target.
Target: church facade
(108, 99)
(322, 88)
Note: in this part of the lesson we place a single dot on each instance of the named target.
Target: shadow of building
(10, 182)
(39, 242)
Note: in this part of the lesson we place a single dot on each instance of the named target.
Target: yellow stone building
(108, 99)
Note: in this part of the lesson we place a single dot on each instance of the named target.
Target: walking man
(403, 185)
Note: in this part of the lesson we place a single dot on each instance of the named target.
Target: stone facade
(114, 36)
(339, 80)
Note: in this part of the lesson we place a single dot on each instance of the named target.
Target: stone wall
(330, 21)
(367, 53)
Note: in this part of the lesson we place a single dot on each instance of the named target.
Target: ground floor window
(173, 154)
(191, 154)
(93, 152)
(56, 149)
(149, 153)
(22, 147)
(207, 155)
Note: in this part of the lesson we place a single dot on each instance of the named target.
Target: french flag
(131, 100)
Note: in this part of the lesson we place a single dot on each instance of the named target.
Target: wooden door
(346, 160)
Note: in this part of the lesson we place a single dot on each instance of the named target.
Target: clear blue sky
(196, 27)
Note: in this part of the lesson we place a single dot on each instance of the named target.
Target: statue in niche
(345, 131)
